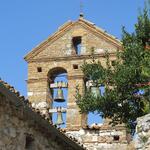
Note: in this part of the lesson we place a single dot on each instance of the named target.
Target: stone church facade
(59, 54)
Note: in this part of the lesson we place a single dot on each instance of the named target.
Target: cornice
(72, 77)
(68, 58)
(37, 80)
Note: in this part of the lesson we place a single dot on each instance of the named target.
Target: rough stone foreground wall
(143, 133)
(102, 139)
(13, 134)
(18, 134)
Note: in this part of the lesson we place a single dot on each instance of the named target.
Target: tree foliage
(122, 101)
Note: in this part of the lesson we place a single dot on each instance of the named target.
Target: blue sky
(26, 23)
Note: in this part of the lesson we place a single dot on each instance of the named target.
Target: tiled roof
(20, 100)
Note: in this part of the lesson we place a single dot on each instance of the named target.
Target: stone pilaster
(38, 94)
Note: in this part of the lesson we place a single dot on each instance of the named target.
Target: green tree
(131, 72)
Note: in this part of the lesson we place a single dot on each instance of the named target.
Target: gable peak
(81, 16)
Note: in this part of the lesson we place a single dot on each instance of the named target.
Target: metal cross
(81, 6)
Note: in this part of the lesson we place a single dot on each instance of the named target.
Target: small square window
(113, 62)
(116, 137)
(39, 69)
(75, 66)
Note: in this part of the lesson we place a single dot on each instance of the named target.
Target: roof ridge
(100, 29)
(50, 37)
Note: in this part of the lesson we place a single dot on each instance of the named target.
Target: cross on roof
(81, 8)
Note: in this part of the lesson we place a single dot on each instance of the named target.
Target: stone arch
(52, 74)
(55, 71)
(56, 74)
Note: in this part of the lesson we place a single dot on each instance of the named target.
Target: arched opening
(58, 92)
(95, 118)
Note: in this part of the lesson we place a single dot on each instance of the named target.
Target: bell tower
(62, 54)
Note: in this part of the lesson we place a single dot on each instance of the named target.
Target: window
(29, 142)
(113, 62)
(39, 69)
(76, 41)
(116, 137)
(75, 66)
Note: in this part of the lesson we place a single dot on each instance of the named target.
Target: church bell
(95, 91)
(59, 118)
(59, 96)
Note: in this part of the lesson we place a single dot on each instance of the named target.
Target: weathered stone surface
(142, 141)
(20, 133)
(101, 139)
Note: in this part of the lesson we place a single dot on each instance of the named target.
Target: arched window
(95, 117)
(56, 76)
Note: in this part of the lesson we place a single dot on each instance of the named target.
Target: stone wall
(142, 141)
(18, 132)
(102, 139)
